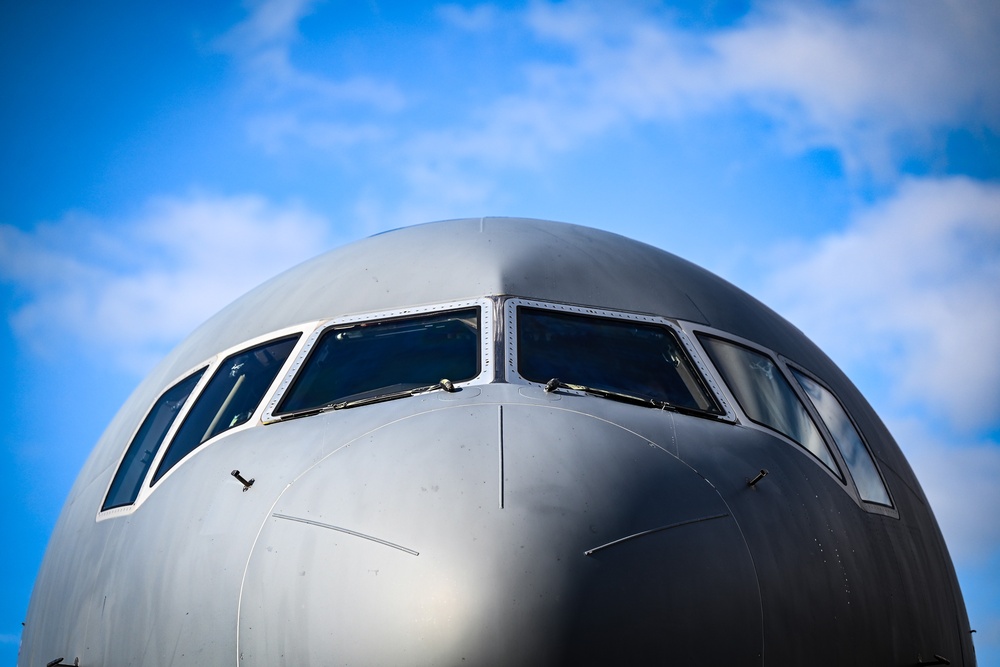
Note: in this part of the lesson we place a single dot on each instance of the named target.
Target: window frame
(207, 368)
(837, 469)
(200, 371)
(696, 331)
(876, 508)
(301, 357)
(512, 376)
(218, 368)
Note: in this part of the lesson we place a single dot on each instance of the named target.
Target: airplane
(496, 441)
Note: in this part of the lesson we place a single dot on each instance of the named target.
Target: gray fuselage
(499, 521)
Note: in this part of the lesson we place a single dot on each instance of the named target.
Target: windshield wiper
(444, 384)
(556, 383)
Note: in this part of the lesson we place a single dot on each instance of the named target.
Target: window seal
(486, 353)
(512, 376)
(877, 508)
(208, 368)
(700, 332)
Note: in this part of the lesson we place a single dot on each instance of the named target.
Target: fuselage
(497, 442)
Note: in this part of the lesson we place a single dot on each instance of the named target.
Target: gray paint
(454, 528)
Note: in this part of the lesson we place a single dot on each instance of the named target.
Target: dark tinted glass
(229, 399)
(141, 451)
(766, 396)
(623, 356)
(370, 358)
(859, 461)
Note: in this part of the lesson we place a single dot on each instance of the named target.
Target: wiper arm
(556, 383)
(444, 383)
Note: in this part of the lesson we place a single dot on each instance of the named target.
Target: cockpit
(360, 360)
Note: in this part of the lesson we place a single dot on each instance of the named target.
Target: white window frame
(486, 329)
(511, 305)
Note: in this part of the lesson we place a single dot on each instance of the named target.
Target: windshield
(230, 398)
(142, 450)
(615, 355)
(368, 359)
(766, 396)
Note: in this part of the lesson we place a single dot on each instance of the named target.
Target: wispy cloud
(878, 83)
(269, 24)
(474, 19)
(130, 289)
(862, 78)
(957, 477)
(289, 105)
(874, 80)
(917, 278)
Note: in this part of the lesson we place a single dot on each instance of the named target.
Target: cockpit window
(766, 396)
(857, 457)
(367, 359)
(142, 450)
(229, 399)
(616, 355)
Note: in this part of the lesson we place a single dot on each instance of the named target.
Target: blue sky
(840, 161)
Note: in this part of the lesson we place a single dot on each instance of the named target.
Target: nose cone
(491, 534)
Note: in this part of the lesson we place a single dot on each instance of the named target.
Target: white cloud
(132, 289)
(912, 288)
(473, 19)
(878, 82)
(960, 481)
(270, 23)
(289, 104)
(859, 77)
(864, 76)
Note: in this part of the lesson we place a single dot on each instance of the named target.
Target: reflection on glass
(229, 399)
(766, 396)
(616, 355)
(141, 451)
(859, 460)
(370, 358)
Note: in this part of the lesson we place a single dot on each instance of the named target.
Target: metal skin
(485, 526)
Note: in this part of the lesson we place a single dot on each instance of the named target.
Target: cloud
(863, 76)
(289, 105)
(474, 19)
(911, 287)
(877, 82)
(944, 467)
(131, 289)
(270, 23)
(860, 77)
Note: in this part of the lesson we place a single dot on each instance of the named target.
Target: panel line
(500, 440)
(590, 552)
(345, 530)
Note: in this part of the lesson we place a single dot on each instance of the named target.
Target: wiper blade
(556, 383)
(444, 384)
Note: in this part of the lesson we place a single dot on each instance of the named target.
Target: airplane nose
(500, 534)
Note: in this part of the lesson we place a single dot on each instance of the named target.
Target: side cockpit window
(230, 398)
(142, 450)
(859, 460)
(766, 396)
